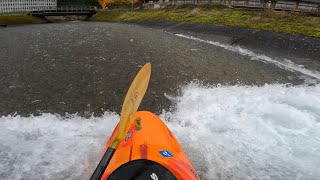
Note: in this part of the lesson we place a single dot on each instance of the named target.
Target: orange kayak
(149, 151)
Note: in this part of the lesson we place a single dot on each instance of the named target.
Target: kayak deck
(150, 139)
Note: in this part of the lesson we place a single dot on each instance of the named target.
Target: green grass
(18, 18)
(13, 14)
(278, 21)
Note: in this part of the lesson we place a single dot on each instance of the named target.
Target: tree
(105, 3)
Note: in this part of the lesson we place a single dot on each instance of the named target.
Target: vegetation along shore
(18, 18)
(268, 20)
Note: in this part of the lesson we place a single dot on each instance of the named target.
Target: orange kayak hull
(149, 138)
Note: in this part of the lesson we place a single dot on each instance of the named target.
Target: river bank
(300, 49)
(18, 19)
(23, 18)
(275, 21)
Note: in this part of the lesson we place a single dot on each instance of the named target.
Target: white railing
(69, 9)
(7, 6)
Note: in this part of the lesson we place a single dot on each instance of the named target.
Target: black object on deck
(103, 164)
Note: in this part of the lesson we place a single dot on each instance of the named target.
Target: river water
(237, 114)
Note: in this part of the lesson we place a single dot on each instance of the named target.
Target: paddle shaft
(129, 108)
(103, 164)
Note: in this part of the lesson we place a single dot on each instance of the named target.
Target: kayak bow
(149, 144)
(141, 146)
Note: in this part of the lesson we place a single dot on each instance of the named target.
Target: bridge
(65, 11)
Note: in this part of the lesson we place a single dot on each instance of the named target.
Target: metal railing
(69, 9)
(41, 8)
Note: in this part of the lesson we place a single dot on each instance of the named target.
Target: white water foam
(284, 64)
(228, 132)
(242, 132)
(51, 147)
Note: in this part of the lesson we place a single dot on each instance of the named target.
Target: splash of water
(242, 132)
(52, 147)
(228, 132)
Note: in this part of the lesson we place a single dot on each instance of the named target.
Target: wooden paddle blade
(131, 104)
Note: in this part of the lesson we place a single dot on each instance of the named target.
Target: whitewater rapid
(244, 132)
(228, 132)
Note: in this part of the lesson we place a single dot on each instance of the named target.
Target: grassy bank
(18, 18)
(278, 21)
